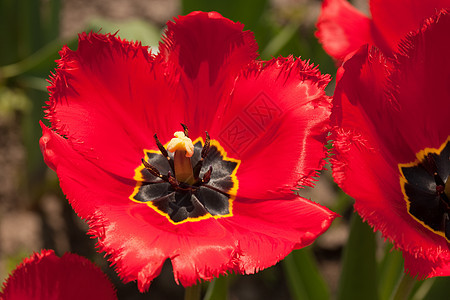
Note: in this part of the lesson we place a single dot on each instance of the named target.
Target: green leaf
(359, 271)
(390, 271)
(421, 289)
(303, 276)
(279, 41)
(39, 63)
(29, 27)
(8, 32)
(31, 131)
(217, 289)
(405, 288)
(50, 19)
(193, 292)
(439, 290)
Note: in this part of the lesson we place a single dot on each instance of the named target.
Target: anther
(154, 171)
(207, 175)
(204, 153)
(205, 149)
(185, 129)
(164, 152)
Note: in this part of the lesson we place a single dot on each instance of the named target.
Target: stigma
(183, 147)
(181, 143)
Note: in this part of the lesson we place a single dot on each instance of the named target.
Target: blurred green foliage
(29, 34)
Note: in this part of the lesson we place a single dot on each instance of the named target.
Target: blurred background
(34, 213)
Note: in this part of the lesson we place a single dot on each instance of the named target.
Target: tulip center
(426, 188)
(187, 180)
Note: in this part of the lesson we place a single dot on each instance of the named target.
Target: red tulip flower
(45, 276)
(342, 29)
(212, 196)
(392, 144)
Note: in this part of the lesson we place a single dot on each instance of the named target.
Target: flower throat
(426, 188)
(167, 182)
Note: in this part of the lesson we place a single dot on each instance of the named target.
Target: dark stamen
(205, 149)
(204, 153)
(216, 189)
(164, 152)
(154, 171)
(429, 164)
(207, 176)
(186, 130)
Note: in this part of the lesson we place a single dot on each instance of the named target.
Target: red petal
(44, 276)
(276, 123)
(390, 111)
(85, 184)
(426, 267)
(362, 98)
(267, 231)
(208, 51)
(342, 29)
(390, 94)
(420, 85)
(394, 19)
(102, 99)
(198, 250)
(373, 181)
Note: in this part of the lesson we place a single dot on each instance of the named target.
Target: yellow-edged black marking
(419, 166)
(231, 192)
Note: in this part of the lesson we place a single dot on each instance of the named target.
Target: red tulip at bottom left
(45, 276)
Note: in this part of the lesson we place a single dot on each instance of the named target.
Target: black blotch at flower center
(211, 194)
(426, 186)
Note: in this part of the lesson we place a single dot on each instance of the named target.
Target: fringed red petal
(267, 231)
(393, 20)
(100, 100)
(364, 174)
(342, 29)
(45, 276)
(421, 80)
(387, 111)
(110, 97)
(256, 126)
(425, 267)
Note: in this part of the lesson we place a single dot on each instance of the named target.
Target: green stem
(404, 288)
(218, 289)
(193, 292)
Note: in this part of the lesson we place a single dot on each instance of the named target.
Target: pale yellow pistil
(184, 149)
